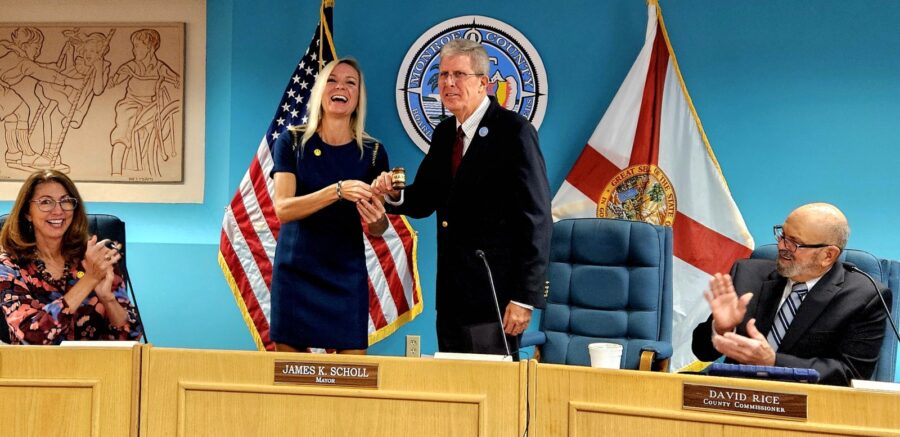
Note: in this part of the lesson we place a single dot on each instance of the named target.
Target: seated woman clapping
(56, 283)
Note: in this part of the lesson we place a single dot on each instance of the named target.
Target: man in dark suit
(803, 310)
(485, 177)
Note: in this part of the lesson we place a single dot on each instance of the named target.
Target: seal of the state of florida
(641, 192)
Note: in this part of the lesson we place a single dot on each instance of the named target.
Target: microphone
(852, 267)
(480, 253)
(115, 245)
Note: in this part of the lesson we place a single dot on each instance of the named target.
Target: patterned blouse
(36, 312)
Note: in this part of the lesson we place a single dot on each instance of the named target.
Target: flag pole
(325, 32)
(687, 97)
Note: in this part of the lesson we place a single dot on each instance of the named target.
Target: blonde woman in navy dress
(323, 196)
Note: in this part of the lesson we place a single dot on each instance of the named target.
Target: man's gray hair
(841, 233)
(465, 47)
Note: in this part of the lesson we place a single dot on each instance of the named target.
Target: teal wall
(800, 100)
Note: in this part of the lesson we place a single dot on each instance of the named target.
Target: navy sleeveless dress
(320, 294)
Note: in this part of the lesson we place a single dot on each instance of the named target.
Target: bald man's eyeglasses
(792, 245)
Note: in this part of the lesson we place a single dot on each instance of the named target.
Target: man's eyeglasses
(456, 75)
(792, 245)
(47, 204)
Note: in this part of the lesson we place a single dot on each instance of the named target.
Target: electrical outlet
(413, 346)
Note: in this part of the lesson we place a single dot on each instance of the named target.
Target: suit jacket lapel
(815, 302)
(764, 305)
(478, 143)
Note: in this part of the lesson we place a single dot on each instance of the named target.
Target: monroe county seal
(640, 192)
(516, 75)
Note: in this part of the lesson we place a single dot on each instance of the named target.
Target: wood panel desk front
(69, 391)
(579, 401)
(230, 393)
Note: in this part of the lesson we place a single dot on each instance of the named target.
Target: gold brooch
(317, 152)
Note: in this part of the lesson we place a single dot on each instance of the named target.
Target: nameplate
(327, 374)
(777, 405)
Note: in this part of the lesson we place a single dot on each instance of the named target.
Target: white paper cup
(605, 355)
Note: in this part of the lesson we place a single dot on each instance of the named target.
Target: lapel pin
(317, 152)
(483, 131)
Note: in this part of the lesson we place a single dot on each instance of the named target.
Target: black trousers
(478, 338)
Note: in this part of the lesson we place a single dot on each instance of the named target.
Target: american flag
(250, 227)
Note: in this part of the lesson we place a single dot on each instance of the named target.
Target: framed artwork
(137, 129)
(99, 101)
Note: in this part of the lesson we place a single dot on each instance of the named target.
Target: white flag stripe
(266, 162)
(248, 264)
(370, 325)
(401, 262)
(702, 193)
(379, 283)
(689, 307)
(571, 202)
(258, 219)
(614, 136)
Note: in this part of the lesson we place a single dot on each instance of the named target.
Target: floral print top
(37, 313)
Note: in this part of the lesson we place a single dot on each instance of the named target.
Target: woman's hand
(371, 211)
(104, 288)
(99, 259)
(353, 190)
(115, 313)
(373, 214)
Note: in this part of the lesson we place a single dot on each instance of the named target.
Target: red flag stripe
(694, 243)
(646, 137)
(252, 238)
(240, 278)
(263, 198)
(591, 172)
(376, 313)
(395, 284)
(407, 239)
(400, 227)
(703, 247)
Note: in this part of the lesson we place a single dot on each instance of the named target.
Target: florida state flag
(649, 160)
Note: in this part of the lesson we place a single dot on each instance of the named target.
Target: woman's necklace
(59, 283)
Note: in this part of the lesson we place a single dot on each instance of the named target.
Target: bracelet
(338, 189)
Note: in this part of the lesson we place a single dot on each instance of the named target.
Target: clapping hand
(99, 260)
(727, 308)
(752, 349)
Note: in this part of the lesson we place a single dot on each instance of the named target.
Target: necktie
(786, 314)
(456, 158)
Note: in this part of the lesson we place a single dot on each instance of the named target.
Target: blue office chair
(104, 226)
(883, 270)
(609, 281)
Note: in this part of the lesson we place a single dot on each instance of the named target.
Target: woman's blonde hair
(17, 236)
(357, 119)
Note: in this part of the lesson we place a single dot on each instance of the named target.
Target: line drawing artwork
(102, 102)
(61, 107)
(144, 116)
